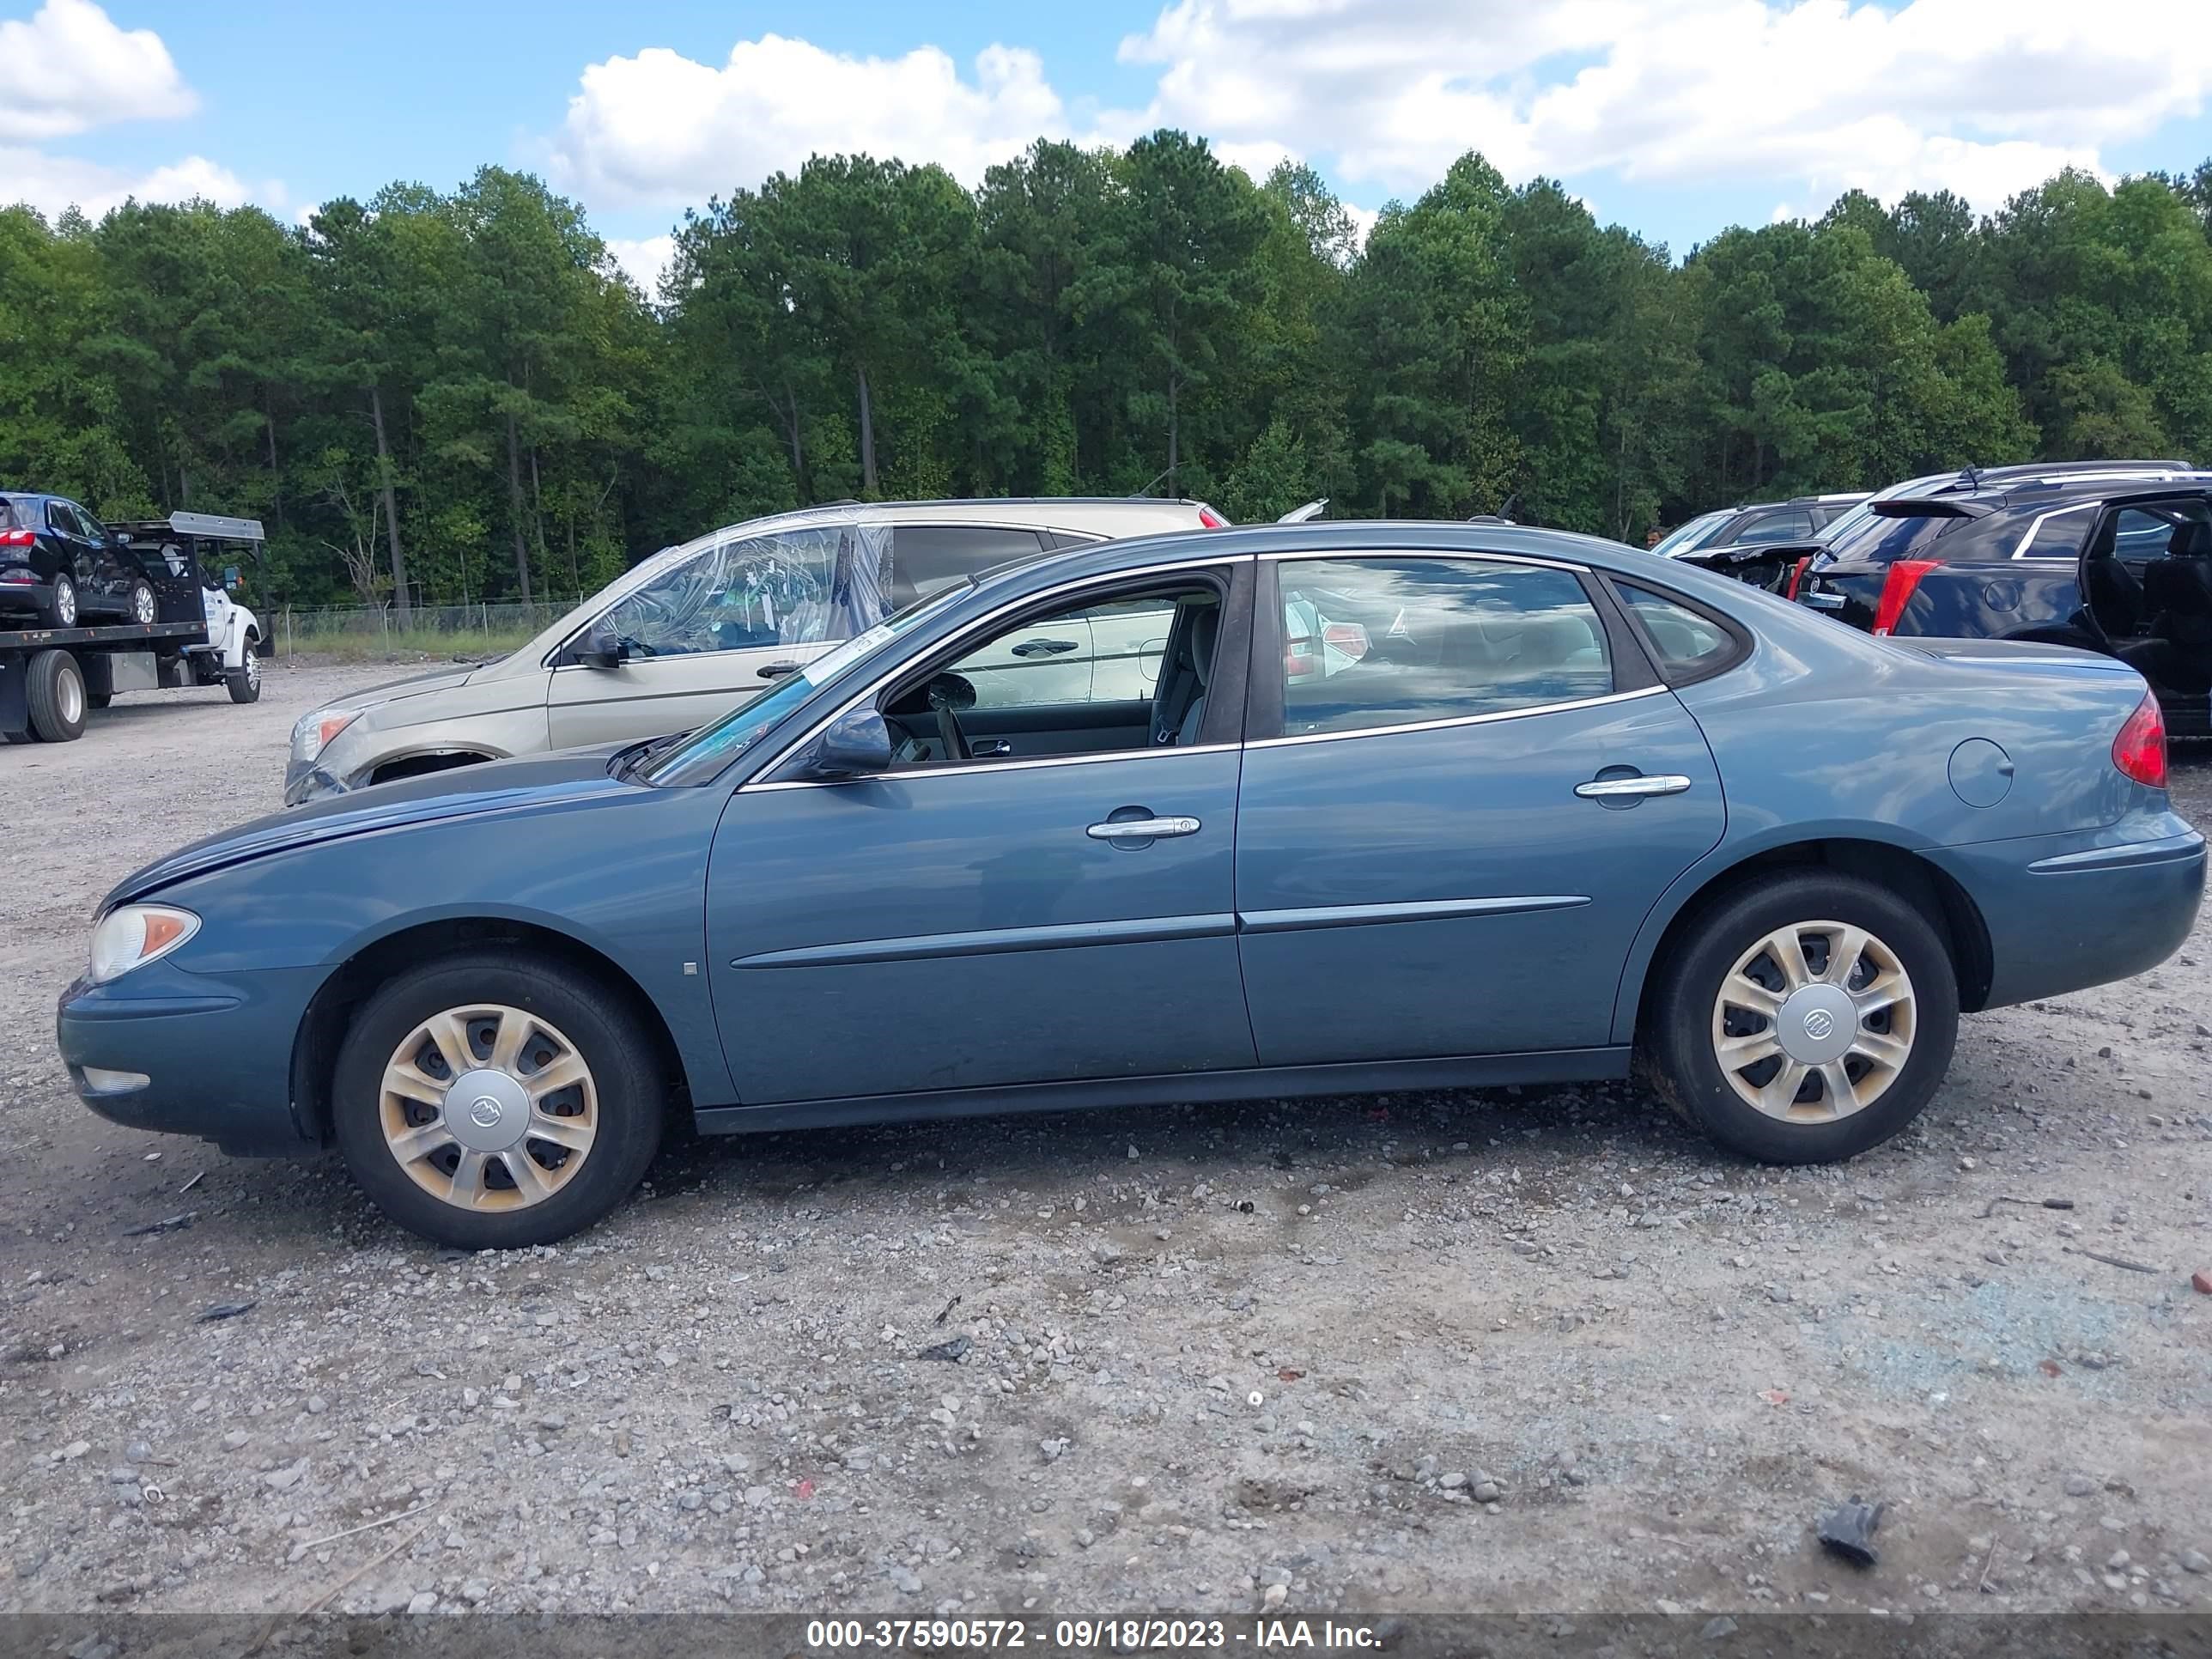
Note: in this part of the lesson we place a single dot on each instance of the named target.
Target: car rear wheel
(61, 603)
(494, 1103)
(1804, 1018)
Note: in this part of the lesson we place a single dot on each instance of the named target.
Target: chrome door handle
(1143, 829)
(1625, 788)
(1043, 647)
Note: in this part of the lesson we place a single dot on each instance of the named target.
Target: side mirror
(600, 647)
(857, 744)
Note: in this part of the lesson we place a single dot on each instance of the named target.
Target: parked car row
(861, 831)
(2110, 556)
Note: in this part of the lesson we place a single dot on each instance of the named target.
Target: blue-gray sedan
(1372, 806)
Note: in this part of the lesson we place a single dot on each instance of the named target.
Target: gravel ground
(1512, 1350)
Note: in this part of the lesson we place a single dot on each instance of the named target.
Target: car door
(969, 925)
(716, 628)
(73, 550)
(112, 572)
(1446, 847)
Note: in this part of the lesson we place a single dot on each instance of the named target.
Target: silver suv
(673, 642)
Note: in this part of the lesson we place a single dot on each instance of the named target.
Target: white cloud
(68, 68)
(1808, 97)
(644, 258)
(52, 183)
(661, 128)
(1984, 97)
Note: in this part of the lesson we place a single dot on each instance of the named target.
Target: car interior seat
(2177, 588)
(1179, 695)
(2113, 595)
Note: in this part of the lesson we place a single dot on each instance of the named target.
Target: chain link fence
(373, 630)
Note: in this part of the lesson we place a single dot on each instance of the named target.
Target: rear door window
(2159, 530)
(927, 558)
(1386, 642)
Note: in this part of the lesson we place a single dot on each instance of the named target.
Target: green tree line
(457, 397)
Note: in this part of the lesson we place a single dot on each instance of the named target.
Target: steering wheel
(949, 693)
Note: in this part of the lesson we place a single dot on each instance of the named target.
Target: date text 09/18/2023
(1123, 1635)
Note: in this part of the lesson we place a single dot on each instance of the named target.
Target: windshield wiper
(635, 759)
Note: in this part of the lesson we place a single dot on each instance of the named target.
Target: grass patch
(403, 644)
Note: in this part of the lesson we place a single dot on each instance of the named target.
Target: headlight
(314, 731)
(132, 935)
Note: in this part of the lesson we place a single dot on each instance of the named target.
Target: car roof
(2034, 484)
(1355, 537)
(1116, 515)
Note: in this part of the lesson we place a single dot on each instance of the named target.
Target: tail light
(1209, 520)
(19, 539)
(1896, 588)
(1350, 638)
(1299, 656)
(1796, 575)
(2140, 750)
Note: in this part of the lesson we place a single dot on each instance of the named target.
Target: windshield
(1688, 537)
(1846, 524)
(701, 756)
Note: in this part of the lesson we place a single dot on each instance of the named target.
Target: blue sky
(1675, 117)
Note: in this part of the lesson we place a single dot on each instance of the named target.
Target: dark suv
(63, 566)
(2112, 556)
(1766, 523)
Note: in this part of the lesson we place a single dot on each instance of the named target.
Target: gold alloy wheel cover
(488, 1108)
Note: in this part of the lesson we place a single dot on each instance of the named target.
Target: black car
(1763, 525)
(2112, 556)
(64, 567)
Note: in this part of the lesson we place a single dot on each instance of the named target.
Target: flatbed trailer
(51, 677)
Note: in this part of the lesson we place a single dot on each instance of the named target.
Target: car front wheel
(142, 608)
(496, 1102)
(1803, 1020)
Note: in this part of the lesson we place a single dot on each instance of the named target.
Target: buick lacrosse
(1387, 806)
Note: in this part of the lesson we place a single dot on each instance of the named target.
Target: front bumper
(178, 1052)
(2068, 912)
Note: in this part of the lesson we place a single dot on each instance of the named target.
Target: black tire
(63, 610)
(244, 680)
(1675, 1048)
(140, 608)
(625, 1071)
(54, 686)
